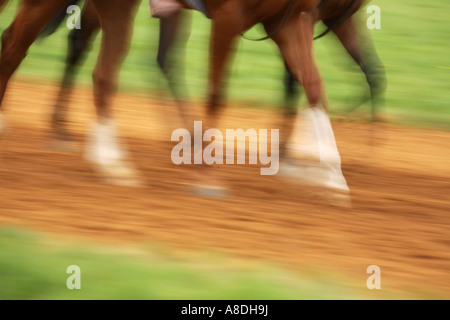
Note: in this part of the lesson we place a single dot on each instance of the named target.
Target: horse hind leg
(173, 36)
(295, 44)
(362, 50)
(78, 43)
(292, 95)
(31, 19)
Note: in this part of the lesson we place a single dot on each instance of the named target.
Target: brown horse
(290, 23)
(79, 40)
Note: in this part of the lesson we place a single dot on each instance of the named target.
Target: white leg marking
(330, 159)
(314, 140)
(104, 150)
(103, 146)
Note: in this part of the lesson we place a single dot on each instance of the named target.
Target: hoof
(61, 140)
(123, 182)
(339, 198)
(302, 173)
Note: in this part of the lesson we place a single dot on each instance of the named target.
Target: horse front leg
(225, 30)
(296, 44)
(78, 43)
(30, 20)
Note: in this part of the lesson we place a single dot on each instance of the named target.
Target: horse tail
(53, 25)
(336, 22)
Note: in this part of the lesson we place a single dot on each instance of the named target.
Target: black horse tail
(53, 25)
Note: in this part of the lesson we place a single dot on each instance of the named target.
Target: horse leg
(225, 30)
(296, 44)
(168, 31)
(291, 98)
(30, 20)
(116, 17)
(173, 31)
(364, 54)
(79, 40)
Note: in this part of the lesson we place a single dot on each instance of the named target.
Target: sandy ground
(399, 179)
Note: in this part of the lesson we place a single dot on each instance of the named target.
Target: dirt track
(400, 190)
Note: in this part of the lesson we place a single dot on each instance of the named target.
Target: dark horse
(290, 23)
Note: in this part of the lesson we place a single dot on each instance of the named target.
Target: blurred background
(273, 239)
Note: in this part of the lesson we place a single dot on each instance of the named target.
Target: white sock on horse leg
(103, 146)
(325, 137)
(330, 159)
(304, 141)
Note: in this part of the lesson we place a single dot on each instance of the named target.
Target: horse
(290, 24)
(79, 40)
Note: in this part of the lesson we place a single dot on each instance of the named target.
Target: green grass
(33, 266)
(411, 43)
